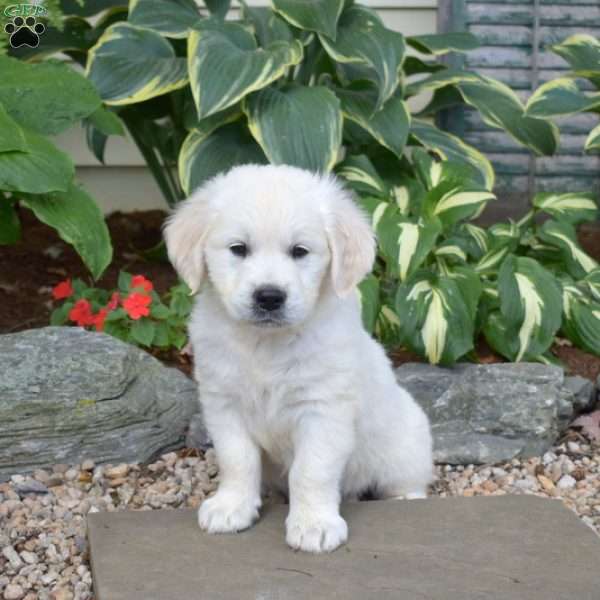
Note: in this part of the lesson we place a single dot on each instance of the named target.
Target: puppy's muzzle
(269, 298)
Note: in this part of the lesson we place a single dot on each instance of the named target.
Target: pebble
(117, 472)
(566, 482)
(13, 592)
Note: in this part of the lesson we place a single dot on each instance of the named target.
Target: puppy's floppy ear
(351, 241)
(185, 234)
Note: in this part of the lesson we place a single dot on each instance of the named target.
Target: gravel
(43, 545)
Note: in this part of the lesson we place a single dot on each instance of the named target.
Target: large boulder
(493, 413)
(67, 394)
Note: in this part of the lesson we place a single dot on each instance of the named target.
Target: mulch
(30, 269)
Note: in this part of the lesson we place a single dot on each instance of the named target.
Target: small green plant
(442, 281)
(134, 312)
(564, 96)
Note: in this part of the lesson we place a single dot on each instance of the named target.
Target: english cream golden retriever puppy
(295, 393)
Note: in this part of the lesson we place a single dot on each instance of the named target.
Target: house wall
(125, 184)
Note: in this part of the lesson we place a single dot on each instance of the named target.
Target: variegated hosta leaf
(450, 203)
(592, 144)
(560, 97)
(172, 18)
(204, 155)
(505, 233)
(376, 208)
(492, 259)
(13, 138)
(451, 252)
(218, 8)
(470, 286)
(479, 237)
(500, 107)
(361, 175)
(435, 319)
(427, 167)
(368, 292)
(563, 236)
(530, 304)
(315, 15)
(574, 207)
(268, 25)
(297, 125)
(592, 281)
(389, 125)
(363, 41)
(582, 52)
(406, 243)
(225, 64)
(442, 43)
(581, 323)
(129, 65)
(452, 148)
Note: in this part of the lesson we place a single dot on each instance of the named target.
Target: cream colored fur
(309, 404)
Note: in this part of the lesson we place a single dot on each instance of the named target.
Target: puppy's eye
(239, 249)
(299, 251)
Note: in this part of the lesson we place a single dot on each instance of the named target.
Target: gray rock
(31, 486)
(490, 413)
(67, 394)
(197, 435)
(583, 391)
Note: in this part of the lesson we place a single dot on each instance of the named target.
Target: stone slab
(439, 549)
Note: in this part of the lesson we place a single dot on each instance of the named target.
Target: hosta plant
(302, 83)
(441, 281)
(565, 96)
(134, 312)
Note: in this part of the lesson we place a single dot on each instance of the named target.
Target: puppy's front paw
(316, 533)
(227, 513)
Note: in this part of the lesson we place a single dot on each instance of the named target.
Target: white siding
(125, 184)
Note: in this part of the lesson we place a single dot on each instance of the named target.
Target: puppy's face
(267, 259)
(272, 241)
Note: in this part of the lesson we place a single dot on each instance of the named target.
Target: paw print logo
(24, 32)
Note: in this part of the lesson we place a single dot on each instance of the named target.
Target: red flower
(99, 319)
(114, 301)
(81, 313)
(136, 305)
(139, 281)
(62, 290)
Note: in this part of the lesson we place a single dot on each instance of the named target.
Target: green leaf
(161, 335)
(10, 226)
(592, 143)
(389, 125)
(435, 319)
(451, 203)
(582, 52)
(315, 15)
(361, 175)
(363, 42)
(574, 207)
(12, 138)
(452, 148)
(43, 168)
(405, 242)
(106, 121)
(581, 322)
(225, 65)
(129, 64)
(45, 97)
(159, 311)
(171, 18)
(78, 221)
(368, 291)
(592, 281)
(562, 235)
(142, 331)
(218, 8)
(60, 315)
(204, 156)
(87, 9)
(530, 304)
(560, 97)
(297, 125)
(268, 25)
(500, 107)
(442, 43)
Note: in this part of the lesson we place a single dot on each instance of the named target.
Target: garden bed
(41, 260)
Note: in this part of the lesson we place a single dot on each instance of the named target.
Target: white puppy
(292, 387)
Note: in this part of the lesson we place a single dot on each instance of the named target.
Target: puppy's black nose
(269, 297)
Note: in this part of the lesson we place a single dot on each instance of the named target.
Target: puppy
(296, 394)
